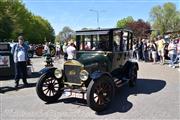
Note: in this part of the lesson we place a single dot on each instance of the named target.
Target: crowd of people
(68, 50)
(158, 50)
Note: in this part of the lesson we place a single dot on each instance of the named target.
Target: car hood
(91, 57)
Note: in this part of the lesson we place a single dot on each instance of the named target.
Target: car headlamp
(58, 73)
(83, 75)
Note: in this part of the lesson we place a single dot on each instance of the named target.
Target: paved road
(157, 96)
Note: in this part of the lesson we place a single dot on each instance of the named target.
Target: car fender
(130, 64)
(46, 70)
(97, 74)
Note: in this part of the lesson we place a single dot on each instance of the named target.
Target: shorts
(161, 52)
(154, 54)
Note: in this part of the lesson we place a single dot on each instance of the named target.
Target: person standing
(58, 51)
(20, 56)
(154, 51)
(65, 50)
(144, 50)
(178, 53)
(46, 49)
(71, 50)
(160, 47)
(172, 53)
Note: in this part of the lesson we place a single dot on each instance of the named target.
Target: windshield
(94, 42)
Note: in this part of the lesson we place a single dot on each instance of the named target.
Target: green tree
(165, 18)
(15, 19)
(124, 22)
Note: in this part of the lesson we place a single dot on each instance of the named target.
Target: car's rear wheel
(133, 76)
(100, 93)
(48, 88)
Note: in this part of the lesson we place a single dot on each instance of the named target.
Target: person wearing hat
(20, 56)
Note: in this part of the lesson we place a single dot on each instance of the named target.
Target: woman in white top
(71, 50)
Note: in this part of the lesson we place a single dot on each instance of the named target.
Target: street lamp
(97, 13)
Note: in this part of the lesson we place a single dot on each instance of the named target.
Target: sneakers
(173, 67)
(170, 65)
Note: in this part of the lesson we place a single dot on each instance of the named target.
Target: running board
(119, 83)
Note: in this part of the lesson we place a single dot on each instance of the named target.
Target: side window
(85, 43)
(103, 42)
(125, 41)
(116, 41)
(94, 42)
(130, 41)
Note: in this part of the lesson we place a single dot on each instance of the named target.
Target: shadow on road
(4, 89)
(120, 102)
(9, 88)
(144, 86)
(33, 75)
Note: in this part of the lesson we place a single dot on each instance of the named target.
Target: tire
(133, 76)
(48, 88)
(104, 90)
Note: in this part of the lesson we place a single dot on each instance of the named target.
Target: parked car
(103, 64)
(39, 50)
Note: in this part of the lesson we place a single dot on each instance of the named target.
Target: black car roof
(99, 31)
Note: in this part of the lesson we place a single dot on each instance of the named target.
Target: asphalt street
(156, 96)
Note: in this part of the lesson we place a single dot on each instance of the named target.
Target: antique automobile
(38, 49)
(103, 64)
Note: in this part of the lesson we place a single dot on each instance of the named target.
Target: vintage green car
(103, 63)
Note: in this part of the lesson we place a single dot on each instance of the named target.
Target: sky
(78, 14)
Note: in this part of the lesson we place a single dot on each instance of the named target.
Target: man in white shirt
(20, 55)
(71, 50)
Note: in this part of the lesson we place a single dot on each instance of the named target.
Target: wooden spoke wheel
(100, 93)
(48, 88)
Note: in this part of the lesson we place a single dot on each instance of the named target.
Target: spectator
(134, 47)
(71, 51)
(20, 55)
(139, 50)
(144, 50)
(178, 52)
(149, 50)
(65, 50)
(160, 48)
(58, 51)
(154, 51)
(46, 49)
(172, 53)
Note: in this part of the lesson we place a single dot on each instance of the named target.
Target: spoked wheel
(100, 93)
(133, 76)
(48, 88)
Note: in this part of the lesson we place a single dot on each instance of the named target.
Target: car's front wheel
(100, 93)
(48, 88)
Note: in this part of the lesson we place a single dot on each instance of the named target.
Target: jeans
(172, 59)
(20, 68)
